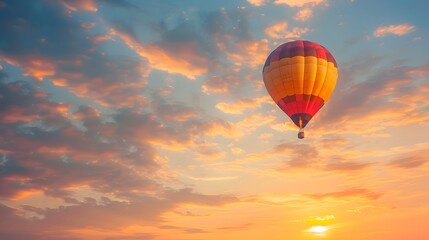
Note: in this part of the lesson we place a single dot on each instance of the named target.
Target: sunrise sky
(150, 120)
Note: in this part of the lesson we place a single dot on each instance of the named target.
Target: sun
(318, 230)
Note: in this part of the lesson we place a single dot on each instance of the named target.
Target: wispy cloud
(237, 107)
(299, 3)
(306, 8)
(209, 153)
(222, 84)
(163, 60)
(257, 2)
(80, 5)
(387, 98)
(398, 30)
(280, 31)
(412, 159)
(304, 14)
(349, 193)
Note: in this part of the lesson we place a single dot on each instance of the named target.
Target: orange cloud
(240, 105)
(257, 3)
(345, 166)
(116, 93)
(280, 31)
(265, 135)
(399, 30)
(255, 120)
(80, 5)
(17, 114)
(299, 3)
(421, 71)
(236, 150)
(221, 84)
(284, 126)
(86, 113)
(174, 111)
(34, 66)
(305, 10)
(395, 100)
(209, 153)
(99, 38)
(277, 30)
(87, 25)
(24, 194)
(163, 60)
(248, 53)
(218, 127)
(348, 193)
(411, 159)
(304, 14)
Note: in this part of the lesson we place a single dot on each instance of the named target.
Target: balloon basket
(301, 134)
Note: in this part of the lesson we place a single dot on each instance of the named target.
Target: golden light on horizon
(318, 230)
(319, 225)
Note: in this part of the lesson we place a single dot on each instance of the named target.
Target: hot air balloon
(300, 77)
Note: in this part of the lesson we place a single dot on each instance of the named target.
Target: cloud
(97, 71)
(34, 66)
(161, 59)
(265, 135)
(299, 3)
(209, 153)
(173, 111)
(86, 114)
(218, 127)
(253, 121)
(257, 3)
(238, 106)
(139, 210)
(236, 150)
(348, 193)
(244, 226)
(21, 103)
(304, 14)
(412, 159)
(44, 145)
(305, 11)
(196, 44)
(296, 155)
(62, 40)
(46, 154)
(249, 53)
(217, 46)
(98, 38)
(345, 166)
(398, 30)
(88, 25)
(222, 84)
(212, 179)
(66, 54)
(390, 96)
(80, 5)
(420, 71)
(280, 31)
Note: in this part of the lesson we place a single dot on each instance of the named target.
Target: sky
(124, 119)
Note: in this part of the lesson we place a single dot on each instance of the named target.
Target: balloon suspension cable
(301, 129)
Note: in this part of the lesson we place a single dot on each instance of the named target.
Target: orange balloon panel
(300, 77)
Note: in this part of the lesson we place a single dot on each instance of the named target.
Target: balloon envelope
(300, 77)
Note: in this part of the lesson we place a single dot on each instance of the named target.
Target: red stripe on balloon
(301, 103)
